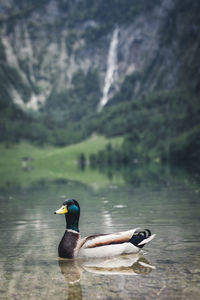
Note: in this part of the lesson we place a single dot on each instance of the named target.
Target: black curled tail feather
(139, 236)
(148, 232)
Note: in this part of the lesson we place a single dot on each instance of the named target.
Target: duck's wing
(101, 245)
(98, 240)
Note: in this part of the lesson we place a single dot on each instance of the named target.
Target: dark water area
(169, 268)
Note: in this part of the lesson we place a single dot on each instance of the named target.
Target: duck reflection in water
(72, 270)
(72, 273)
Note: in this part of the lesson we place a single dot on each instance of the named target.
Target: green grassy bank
(51, 163)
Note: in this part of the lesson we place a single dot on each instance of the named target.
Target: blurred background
(123, 75)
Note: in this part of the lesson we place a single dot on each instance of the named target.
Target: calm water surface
(168, 269)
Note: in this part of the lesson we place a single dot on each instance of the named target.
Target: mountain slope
(49, 42)
(135, 62)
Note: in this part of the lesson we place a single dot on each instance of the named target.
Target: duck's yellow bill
(62, 210)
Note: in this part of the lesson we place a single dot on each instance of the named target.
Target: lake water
(169, 267)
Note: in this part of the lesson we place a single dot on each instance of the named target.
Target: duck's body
(101, 245)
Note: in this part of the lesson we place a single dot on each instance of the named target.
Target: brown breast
(68, 244)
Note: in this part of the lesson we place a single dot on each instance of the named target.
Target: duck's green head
(71, 210)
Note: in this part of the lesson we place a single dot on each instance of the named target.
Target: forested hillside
(138, 61)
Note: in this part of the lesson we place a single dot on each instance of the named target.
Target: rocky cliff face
(46, 52)
(46, 43)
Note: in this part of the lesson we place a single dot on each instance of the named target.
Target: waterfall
(111, 72)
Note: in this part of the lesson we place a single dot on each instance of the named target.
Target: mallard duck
(98, 245)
